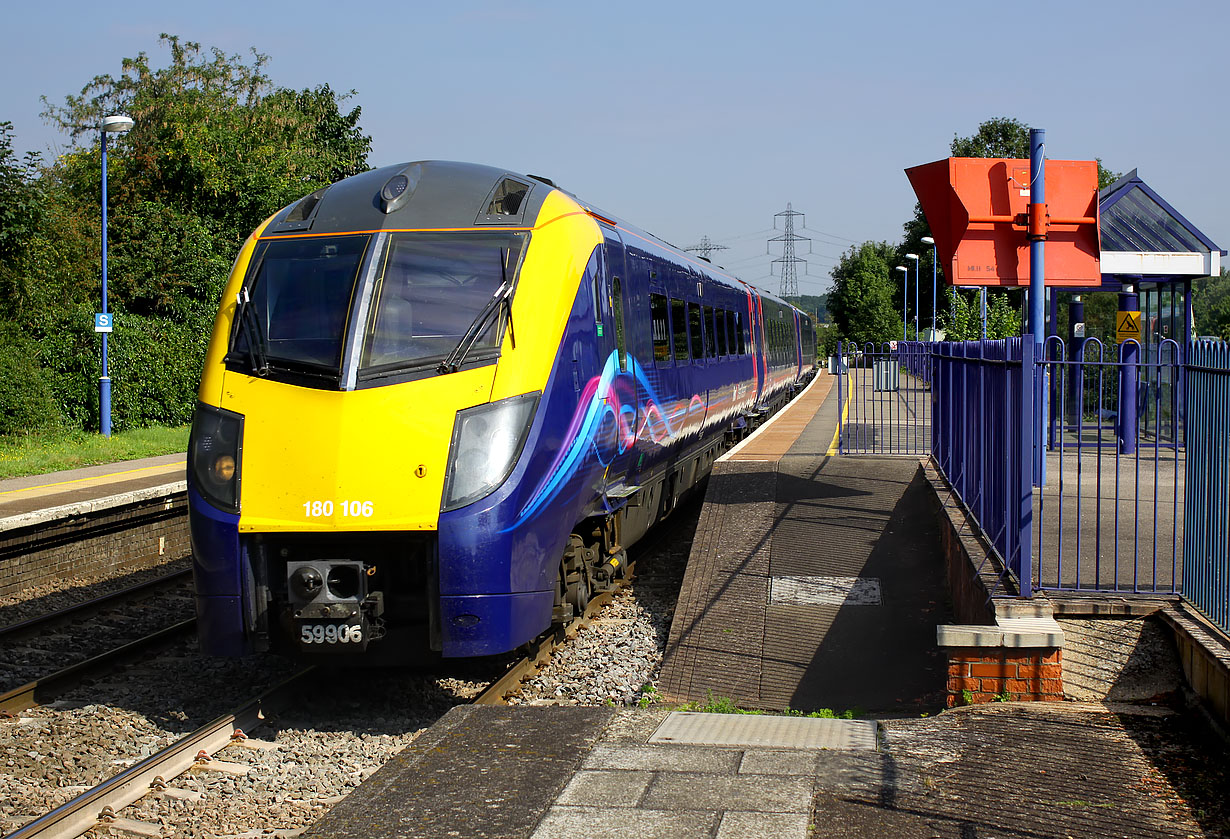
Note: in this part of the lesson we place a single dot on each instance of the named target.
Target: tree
(216, 148)
(861, 300)
(20, 198)
(1007, 137)
(1211, 305)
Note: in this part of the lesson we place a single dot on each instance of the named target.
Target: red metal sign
(979, 213)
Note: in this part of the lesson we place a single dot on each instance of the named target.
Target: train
(441, 400)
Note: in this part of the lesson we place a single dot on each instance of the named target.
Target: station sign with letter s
(103, 321)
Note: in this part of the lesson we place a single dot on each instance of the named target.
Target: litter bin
(886, 373)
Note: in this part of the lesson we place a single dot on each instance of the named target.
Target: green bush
(155, 371)
(27, 401)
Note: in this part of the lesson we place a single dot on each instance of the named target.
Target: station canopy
(1147, 241)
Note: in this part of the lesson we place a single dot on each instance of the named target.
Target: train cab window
(507, 198)
(710, 335)
(694, 327)
(433, 290)
(298, 301)
(617, 310)
(659, 318)
(679, 329)
(719, 328)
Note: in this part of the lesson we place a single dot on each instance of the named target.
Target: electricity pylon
(788, 260)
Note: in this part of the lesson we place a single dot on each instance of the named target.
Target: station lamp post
(905, 278)
(914, 257)
(935, 273)
(102, 322)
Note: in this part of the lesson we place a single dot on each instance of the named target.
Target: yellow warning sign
(1127, 326)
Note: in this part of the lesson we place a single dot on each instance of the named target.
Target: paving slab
(600, 823)
(706, 791)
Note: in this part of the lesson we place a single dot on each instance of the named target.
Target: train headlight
(487, 439)
(214, 451)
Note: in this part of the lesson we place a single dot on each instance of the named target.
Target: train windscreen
(440, 295)
(293, 309)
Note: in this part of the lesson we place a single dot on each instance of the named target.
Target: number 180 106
(349, 509)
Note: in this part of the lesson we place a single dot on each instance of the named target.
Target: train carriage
(441, 400)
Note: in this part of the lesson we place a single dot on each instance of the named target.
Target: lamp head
(117, 123)
(912, 256)
(928, 240)
(902, 268)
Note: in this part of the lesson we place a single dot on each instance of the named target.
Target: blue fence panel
(1206, 542)
(885, 403)
(1110, 512)
(977, 442)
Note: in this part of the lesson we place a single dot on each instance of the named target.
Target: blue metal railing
(980, 405)
(885, 405)
(1206, 542)
(1109, 515)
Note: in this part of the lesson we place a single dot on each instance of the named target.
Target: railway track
(98, 806)
(74, 632)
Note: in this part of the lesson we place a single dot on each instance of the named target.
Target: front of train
(378, 404)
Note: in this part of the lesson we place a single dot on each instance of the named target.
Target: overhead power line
(789, 261)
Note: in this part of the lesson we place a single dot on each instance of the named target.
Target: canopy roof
(1146, 240)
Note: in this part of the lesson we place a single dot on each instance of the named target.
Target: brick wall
(118, 540)
(988, 673)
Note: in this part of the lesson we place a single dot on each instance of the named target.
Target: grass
(724, 705)
(37, 453)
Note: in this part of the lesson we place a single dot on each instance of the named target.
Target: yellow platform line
(110, 477)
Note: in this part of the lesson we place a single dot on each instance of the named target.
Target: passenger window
(659, 317)
(739, 333)
(732, 331)
(719, 327)
(698, 337)
(710, 337)
(679, 329)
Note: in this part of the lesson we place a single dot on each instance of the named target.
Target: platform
(814, 581)
(42, 498)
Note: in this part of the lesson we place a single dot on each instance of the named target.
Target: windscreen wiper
(249, 322)
(498, 302)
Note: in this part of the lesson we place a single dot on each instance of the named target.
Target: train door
(759, 361)
(622, 411)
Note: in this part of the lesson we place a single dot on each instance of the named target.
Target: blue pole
(905, 279)
(1037, 243)
(917, 307)
(935, 275)
(104, 384)
(1037, 278)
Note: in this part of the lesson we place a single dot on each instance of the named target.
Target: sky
(691, 120)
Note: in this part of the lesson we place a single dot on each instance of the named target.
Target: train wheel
(575, 571)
